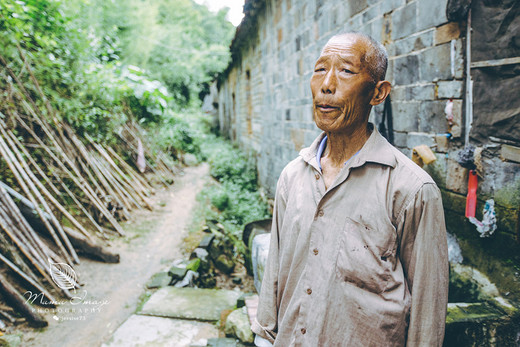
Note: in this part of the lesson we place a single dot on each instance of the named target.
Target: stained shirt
(362, 263)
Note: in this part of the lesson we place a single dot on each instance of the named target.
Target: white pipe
(469, 82)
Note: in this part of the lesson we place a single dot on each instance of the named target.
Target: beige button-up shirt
(364, 263)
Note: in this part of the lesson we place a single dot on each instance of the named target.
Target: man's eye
(347, 71)
(319, 69)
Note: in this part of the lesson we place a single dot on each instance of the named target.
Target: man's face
(341, 85)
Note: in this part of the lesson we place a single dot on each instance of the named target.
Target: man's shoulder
(409, 173)
(294, 168)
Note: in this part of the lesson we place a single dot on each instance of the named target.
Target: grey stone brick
(431, 13)
(406, 116)
(432, 118)
(406, 69)
(449, 89)
(370, 14)
(435, 63)
(414, 42)
(400, 139)
(390, 5)
(377, 27)
(415, 139)
(398, 93)
(357, 6)
(390, 72)
(414, 93)
(404, 21)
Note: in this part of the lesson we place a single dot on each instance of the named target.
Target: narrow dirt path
(112, 291)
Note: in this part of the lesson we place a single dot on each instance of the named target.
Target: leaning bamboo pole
(47, 194)
(76, 178)
(25, 183)
(124, 179)
(29, 280)
(33, 182)
(145, 186)
(80, 205)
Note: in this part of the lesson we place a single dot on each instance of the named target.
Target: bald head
(375, 59)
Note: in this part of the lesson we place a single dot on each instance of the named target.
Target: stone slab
(190, 303)
(155, 331)
(160, 279)
(510, 153)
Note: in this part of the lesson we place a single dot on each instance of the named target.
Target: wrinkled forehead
(348, 47)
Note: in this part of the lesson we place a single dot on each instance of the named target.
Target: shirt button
(315, 251)
(317, 177)
(303, 330)
(309, 291)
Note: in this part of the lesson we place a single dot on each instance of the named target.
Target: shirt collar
(375, 150)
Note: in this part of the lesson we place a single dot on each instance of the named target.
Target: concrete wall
(265, 101)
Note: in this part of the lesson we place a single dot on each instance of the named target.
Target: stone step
(190, 303)
(145, 331)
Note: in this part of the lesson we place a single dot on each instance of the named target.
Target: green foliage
(236, 199)
(81, 53)
(178, 42)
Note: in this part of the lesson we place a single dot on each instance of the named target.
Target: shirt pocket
(366, 255)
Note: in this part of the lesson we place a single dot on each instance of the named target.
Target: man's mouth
(326, 107)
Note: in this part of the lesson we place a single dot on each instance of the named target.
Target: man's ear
(381, 91)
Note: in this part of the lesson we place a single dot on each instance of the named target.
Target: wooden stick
(125, 180)
(24, 180)
(34, 182)
(147, 188)
(29, 280)
(18, 301)
(78, 180)
(91, 248)
(80, 205)
(31, 179)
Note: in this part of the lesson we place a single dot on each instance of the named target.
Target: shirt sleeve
(424, 255)
(266, 322)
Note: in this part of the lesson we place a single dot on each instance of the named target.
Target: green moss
(509, 195)
(501, 268)
(475, 312)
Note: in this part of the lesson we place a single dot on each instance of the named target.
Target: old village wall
(264, 99)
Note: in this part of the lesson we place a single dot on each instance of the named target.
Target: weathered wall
(265, 101)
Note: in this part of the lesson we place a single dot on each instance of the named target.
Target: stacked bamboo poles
(101, 184)
(130, 136)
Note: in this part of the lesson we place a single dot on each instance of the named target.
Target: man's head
(348, 80)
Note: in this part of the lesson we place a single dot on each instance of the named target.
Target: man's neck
(341, 146)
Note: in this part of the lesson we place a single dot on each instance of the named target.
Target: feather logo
(63, 275)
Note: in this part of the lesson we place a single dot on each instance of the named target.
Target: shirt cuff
(261, 342)
(265, 334)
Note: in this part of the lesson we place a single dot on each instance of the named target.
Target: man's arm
(265, 324)
(424, 255)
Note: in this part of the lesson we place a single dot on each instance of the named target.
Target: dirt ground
(112, 291)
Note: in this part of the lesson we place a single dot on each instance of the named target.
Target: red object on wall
(471, 199)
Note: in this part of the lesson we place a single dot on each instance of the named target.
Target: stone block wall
(265, 103)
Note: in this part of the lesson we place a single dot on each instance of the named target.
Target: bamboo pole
(125, 180)
(46, 192)
(80, 205)
(28, 279)
(33, 182)
(147, 188)
(23, 179)
(11, 212)
(78, 180)
(19, 302)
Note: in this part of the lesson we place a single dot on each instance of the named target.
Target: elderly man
(358, 253)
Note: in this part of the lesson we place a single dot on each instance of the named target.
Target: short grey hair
(376, 55)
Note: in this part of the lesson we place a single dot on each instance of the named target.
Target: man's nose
(329, 83)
